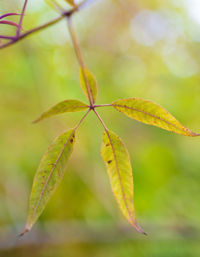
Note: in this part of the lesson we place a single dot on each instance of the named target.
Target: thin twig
(21, 19)
(26, 34)
(6, 37)
(79, 58)
(100, 119)
(46, 25)
(39, 28)
(102, 105)
(8, 14)
(9, 23)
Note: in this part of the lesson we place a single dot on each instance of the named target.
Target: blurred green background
(141, 48)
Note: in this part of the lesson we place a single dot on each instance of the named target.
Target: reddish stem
(9, 23)
(21, 19)
(6, 37)
(8, 14)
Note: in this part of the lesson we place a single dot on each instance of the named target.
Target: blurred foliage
(141, 48)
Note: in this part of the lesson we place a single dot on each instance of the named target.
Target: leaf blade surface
(63, 107)
(85, 74)
(49, 174)
(152, 114)
(116, 158)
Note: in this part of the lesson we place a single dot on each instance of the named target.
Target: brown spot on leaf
(109, 161)
(107, 144)
(71, 140)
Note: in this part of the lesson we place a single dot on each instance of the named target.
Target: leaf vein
(50, 174)
(120, 180)
(157, 117)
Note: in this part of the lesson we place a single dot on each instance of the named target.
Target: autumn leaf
(116, 158)
(49, 174)
(85, 74)
(151, 113)
(63, 107)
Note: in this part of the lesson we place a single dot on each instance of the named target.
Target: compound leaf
(116, 158)
(62, 107)
(86, 75)
(49, 174)
(151, 113)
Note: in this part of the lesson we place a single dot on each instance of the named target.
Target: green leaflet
(152, 114)
(62, 107)
(116, 158)
(92, 83)
(49, 174)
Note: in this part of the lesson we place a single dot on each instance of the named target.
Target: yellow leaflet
(116, 158)
(62, 107)
(49, 174)
(151, 113)
(92, 84)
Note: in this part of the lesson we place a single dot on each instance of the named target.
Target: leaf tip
(26, 230)
(190, 133)
(195, 134)
(36, 121)
(139, 229)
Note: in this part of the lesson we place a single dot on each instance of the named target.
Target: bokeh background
(141, 48)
